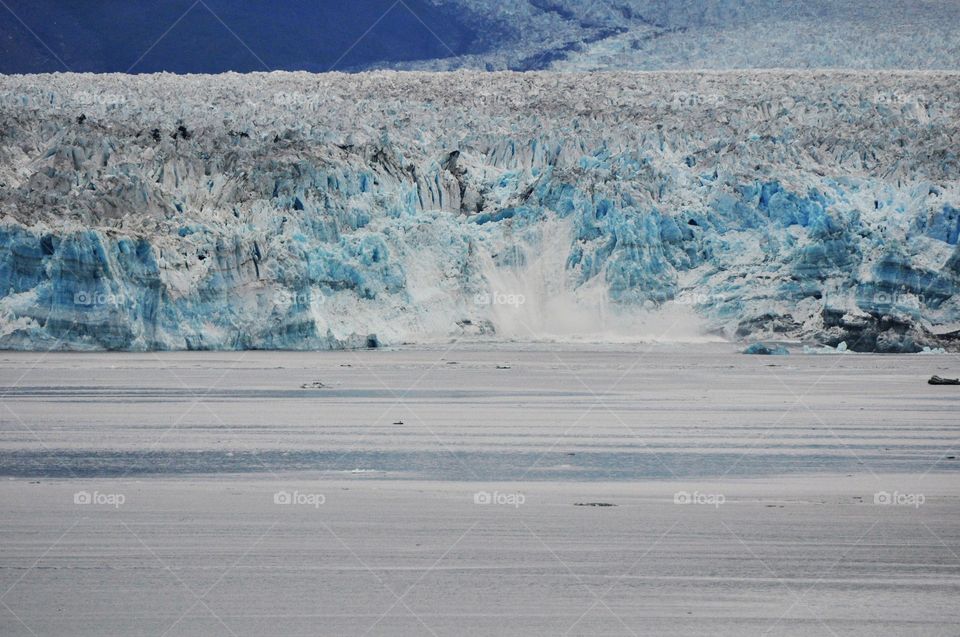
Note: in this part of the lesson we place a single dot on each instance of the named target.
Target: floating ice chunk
(762, 349)
(826, 349)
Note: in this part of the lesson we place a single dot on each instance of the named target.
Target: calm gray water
(646, 412)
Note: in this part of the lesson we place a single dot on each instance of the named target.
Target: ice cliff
(321, 211)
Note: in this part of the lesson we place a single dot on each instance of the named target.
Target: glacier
(319, 211)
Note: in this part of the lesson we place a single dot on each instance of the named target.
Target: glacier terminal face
(300, 211)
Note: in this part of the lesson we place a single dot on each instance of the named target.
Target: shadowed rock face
(316, 211)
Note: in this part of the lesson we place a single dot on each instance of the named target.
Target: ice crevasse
(300, 211)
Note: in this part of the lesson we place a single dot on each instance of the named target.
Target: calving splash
(538, 299)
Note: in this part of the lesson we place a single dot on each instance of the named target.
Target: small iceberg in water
(762, 349)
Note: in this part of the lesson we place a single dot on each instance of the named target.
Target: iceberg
(762, 349)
